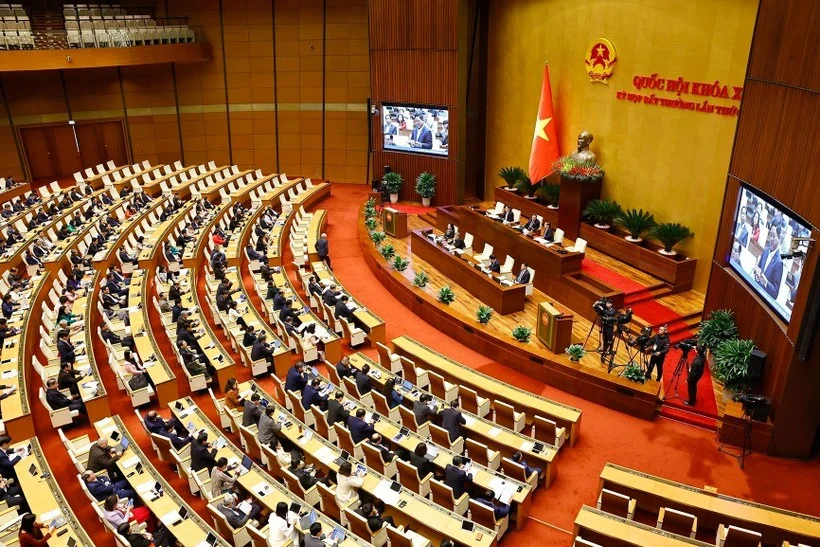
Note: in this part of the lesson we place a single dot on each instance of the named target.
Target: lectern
(394, 222)
(554, 329)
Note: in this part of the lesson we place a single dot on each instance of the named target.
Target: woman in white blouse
(347, 485)
(282, 525)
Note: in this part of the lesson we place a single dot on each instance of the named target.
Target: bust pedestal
(574, 198)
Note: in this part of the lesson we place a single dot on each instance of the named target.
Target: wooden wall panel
(422, 76)
(789, 32)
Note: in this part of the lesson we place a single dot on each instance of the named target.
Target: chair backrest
(581, 542)
(439, 435)
(469, 399)
(477, 451)
(409, 476)
(613, 502)
(398, 538)
(380, 402)
(482, 514)
(321, 422)
(358, 525)
(442, 494)
(559, 235)
(741, 537)
(580, 245)
(329, 505)
(468, 240)
(373, 457)
(677, 522)
(345, 439)
(514, 470)
(545, 430)
(504, 414)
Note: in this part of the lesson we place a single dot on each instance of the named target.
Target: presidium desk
(503, 299)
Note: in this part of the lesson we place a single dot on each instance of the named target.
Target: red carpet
(663, 447)
(611, 277)
(410, 209)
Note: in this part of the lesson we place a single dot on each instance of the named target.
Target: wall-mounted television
(417, 129)
(762, 252)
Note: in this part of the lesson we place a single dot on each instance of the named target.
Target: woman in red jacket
(31, 531)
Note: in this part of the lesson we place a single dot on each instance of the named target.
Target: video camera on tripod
(751, 402)
(642, 340)
(687, 345)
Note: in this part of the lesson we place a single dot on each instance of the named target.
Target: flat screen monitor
(762, 251)
(416, 129)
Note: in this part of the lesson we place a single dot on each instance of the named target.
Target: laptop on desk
(343, 458)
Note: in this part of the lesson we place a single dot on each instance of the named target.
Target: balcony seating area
(109, 25)
(15, 27)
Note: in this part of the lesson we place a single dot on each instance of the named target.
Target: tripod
(745, 422)
(619, 335)
(597, 322)
(684, 360)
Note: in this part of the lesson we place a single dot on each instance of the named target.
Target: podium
(553, 328)
(394, 222)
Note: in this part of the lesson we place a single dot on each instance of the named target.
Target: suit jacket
(295, 381)
(202, 457)
(510, 216)
(101, 488)
(322, 247)
(495, 266)
(56, 400)
(423, 136)
(532, 224)
(268, 429)
(456, 478)
(344, 371)
(250, 413)
(260, 351)
(66, 351)
(176, 441)
(363, 382)
(310, 396)
(773, 272)
(248, 339)
(336, 412)
(278, 301)
(451, 420)
(523, 277)
(329, 298)
(311, 541)
(99, 458)
(236, 518)
(342, 310)
(423, 412)
(7, 464)
(422, 464)
(359, 429)
(549, 234)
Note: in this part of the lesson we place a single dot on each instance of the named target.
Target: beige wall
(307, 147)
(670, 161)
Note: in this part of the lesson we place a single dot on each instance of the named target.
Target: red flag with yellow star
(545, 140)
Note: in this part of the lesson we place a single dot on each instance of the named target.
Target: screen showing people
(767, 252)
(423, 130)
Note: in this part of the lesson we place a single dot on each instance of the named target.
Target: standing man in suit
(323, 250)
(694, 374)
(421, 137)
(769, 270)
(8, 458)
(363, 382)
(336, 412)
(659, 347)
(523, 276)
(452, 420)
(456, 477)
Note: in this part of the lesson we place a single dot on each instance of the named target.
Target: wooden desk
(44, 496)
(482, 476)
(318, 223)
(495, 436)
(183, 188)
(503, 299)
(213, 190)
(373, 325)
(652, 493)
(108, 255)
(10, 193)
(165, 382)
(15, 358)
(190, 532)
(161, 232)
(94, 396)
(611, 531)
(264, 489)
(427, 518)
(126, 180)
(523, 401)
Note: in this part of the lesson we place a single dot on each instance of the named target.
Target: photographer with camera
(695, 372)
(659, 347)
(609, 316)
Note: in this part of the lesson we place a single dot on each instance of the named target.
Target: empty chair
(480, 453)
(579, 247)
(559, 236)
(406, 538)
(581, 542)
(468, 241)
(677, 522)
(734, 536)
(616, 504)
(410, 479)
(485, 254)
(507, 416)
(472, 402)
(507, 267)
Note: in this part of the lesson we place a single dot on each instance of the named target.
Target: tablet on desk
(307, 520)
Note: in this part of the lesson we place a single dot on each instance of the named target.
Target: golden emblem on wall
(600, 60)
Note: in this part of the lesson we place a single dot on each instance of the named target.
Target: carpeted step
(683, 415)
(649, 293)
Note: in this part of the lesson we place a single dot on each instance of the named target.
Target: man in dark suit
(694, 375)
(101, 486)
(377, 442)
(495, 265)
(458, 242)
(57, 400)
(103, 457)
(508, 215)
(336, 412)
(254, 255)
(343, 369)
(341, 310)
(296, 379)
(260, 349)
(363, 382)
(251, 410)
(532, 225)
(68, 378)
(323, 250)
(279, 301)
(113, 339)
(234, 516)
(310, 395)
(8, 458)
(202, 455)
(421, 137)
(549, 233)
(422, 410)
(659, 347)
(359, 429)
(168, 431)
(452, 420)
(65, 348)
(287, 311)
(456, 477)
(523, 276)
(330, 296)
(769, 270)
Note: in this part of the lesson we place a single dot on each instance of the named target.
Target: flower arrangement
(446, 295)
(580, 171)
(400, 264)
(575, 352)
(522, 333)
(484, 314)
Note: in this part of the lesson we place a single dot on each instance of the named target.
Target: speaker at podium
(554, 328)
(394, 222)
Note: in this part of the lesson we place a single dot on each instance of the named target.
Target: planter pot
(633, 239)
(727, 395)
(574, 359)
(667, 253)
(603, 226)
(394, 198)
(553, 207)
(531, 197)
(426, 201)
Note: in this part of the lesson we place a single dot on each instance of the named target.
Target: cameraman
(695, 372)
(609, 316)
(659, 347)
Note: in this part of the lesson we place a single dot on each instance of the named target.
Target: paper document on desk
(324, 455)
(169, 519)
(147, 486)
(469, 420)
(306, 436)
(130, 462)
(494, 432)
(9, 374)
(526, 446)
(385, 493)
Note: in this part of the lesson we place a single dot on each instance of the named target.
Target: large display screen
(416, 129)
(762, 251)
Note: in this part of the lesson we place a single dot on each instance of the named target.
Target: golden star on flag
(540, 126)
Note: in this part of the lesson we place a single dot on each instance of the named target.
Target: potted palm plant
(549, 192)
(602, 212)
(669, 234)
(391, 183)
(525, 187)
(731, 366)
(636, 222)
(426, 187)
(575, 352)
(717, 328)
(511, 175)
